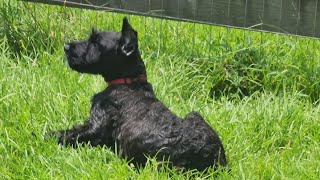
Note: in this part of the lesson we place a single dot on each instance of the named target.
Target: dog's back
(144, 126)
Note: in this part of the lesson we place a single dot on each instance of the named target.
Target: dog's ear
(129, 38)
(126, 25)
(93, 31)
(93, 36)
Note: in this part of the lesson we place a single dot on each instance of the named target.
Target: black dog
(128, 114)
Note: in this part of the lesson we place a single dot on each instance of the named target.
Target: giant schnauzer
(127, 116)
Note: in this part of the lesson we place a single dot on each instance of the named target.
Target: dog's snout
(66, 47)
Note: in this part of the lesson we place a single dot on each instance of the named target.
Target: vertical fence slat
(315, 19)
(245, 23)
(228, 29)
(194, 30)
(160, 32)
(261, 34)
(279, 29)
(210, 34)
(177, 26)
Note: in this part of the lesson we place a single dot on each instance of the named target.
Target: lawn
(259, 91)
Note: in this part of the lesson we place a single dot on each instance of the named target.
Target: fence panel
(297, 17)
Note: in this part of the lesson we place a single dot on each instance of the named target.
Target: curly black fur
(130, 115)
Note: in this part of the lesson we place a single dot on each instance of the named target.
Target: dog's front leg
(97, 130)
(75, 135)
(94, 134)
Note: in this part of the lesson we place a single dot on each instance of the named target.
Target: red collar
(141, 78)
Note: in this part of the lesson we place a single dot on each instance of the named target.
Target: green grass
(273, 133)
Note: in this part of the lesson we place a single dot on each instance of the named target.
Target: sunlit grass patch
(271, 132)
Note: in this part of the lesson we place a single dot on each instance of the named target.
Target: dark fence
(297, 17)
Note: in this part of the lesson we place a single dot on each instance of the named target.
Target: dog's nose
(66, 47)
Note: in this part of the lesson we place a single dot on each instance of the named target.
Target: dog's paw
(54, 134)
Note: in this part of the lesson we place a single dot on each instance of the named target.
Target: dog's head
(111, 54)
